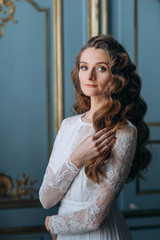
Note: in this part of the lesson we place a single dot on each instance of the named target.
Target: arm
(90, 219)
(56, 183)
(57, 179)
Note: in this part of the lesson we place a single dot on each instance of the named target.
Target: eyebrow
(96, 63)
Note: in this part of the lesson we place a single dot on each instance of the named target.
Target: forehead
(94, 55)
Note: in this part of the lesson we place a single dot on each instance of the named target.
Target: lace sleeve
(58, 176)
(91, 219)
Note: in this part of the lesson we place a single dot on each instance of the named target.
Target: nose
(92, 75)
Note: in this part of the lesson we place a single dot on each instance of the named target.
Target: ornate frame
(34, 202)
(150, 124)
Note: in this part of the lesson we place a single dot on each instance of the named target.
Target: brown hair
(124, 103)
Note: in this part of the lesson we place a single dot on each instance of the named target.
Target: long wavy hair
(123, 103)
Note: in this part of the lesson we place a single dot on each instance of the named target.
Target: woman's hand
(93, 146)
(46, 223)
(54, 236)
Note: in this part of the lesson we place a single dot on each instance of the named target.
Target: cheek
(81, 81)
(104, 82)
(81, 77)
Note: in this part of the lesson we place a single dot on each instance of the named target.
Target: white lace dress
(87, 210)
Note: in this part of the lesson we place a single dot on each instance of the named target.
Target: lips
(91, 85)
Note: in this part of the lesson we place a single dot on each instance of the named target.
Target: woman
(99, 149)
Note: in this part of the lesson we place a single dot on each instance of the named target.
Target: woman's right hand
(93, 146)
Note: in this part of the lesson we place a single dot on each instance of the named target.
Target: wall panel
(136, 25)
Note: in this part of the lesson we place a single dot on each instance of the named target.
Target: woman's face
(94, 73)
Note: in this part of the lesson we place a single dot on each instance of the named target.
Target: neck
(96, 103)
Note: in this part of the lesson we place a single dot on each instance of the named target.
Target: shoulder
(126, 135)
(68, 126)
(126, 141)
(71, 121)
(128, 130)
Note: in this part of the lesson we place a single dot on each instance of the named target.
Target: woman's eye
(83, 67)
(102, 69)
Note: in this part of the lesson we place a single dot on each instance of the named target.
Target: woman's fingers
(105, 138)
(99, 133)
(103, 134)
(106, 147)
(46, 223)
(92, 146)
(103, 141)
(102, 138)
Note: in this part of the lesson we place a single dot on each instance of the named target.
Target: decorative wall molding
(142, 213)
(25, 203)
(35, 202)
(149, 213)
(146, 227)
(58, 64)
(4, 20)
(46, 11)
(94, 17)
(105, 16)
(136, 33)
(22, 230)
(139, 191)
(150, 124)
(11, 7)
(153, 124)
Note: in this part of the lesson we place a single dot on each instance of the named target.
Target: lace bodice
(64, 181)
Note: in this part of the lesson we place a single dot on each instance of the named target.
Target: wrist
(75, 161)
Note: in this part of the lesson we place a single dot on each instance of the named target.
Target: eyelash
(83, 67)
(103, 68)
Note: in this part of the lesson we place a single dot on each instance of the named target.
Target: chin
(89, 93)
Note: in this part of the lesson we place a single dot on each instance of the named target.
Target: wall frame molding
(21, 203)
(46, 11)
(94, 17)
(22, 230)
(141, 213)
(58, 64)
(136, 33)
(150, 124)
(139, 191)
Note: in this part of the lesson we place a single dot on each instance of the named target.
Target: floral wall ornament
(23, 187)
(5, 185)
(4, 20)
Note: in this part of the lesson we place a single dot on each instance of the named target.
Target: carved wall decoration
(23, 187)
(4, 20)
(5, 186)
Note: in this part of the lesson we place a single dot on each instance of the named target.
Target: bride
(100, 149)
